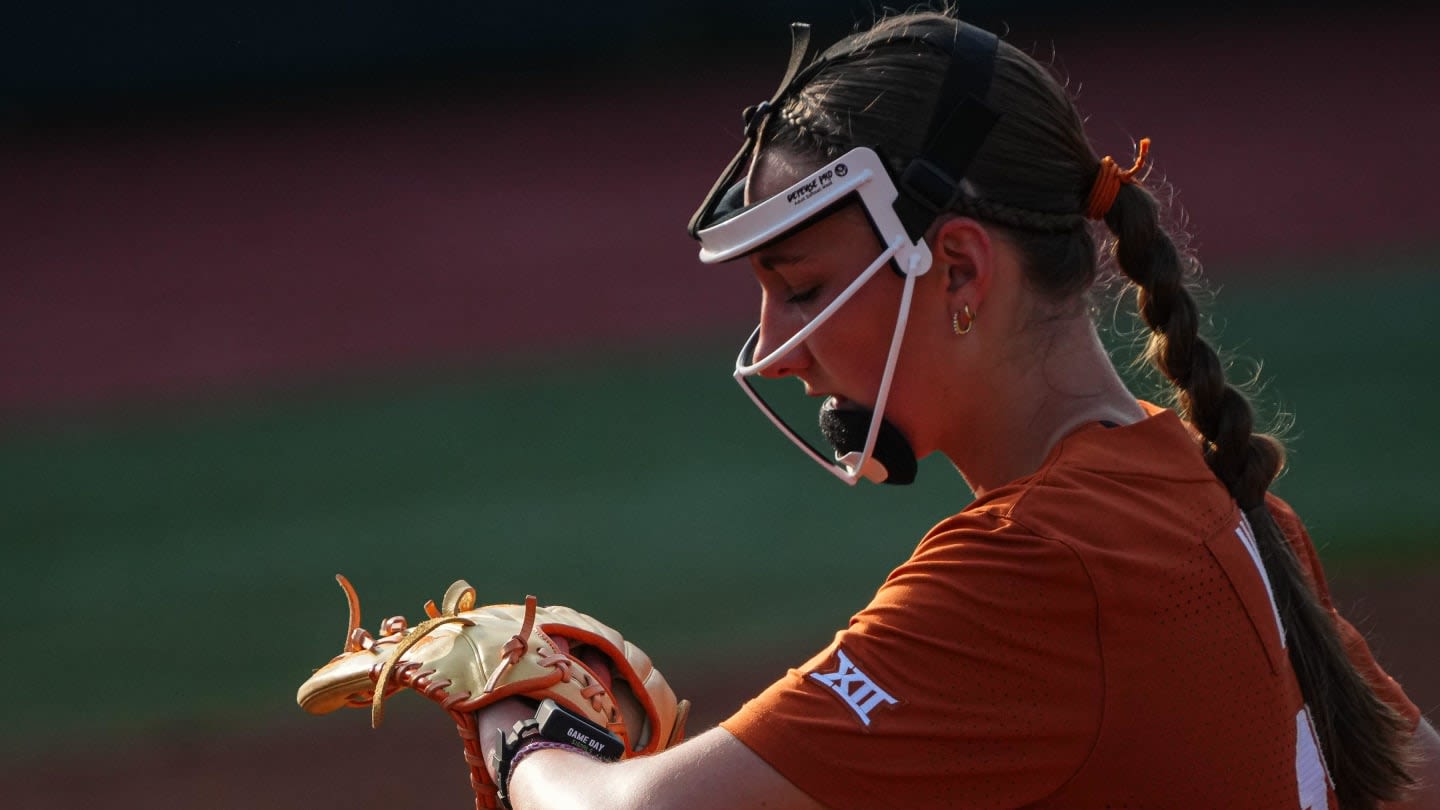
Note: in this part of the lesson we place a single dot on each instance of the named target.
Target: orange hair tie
(1109, 180)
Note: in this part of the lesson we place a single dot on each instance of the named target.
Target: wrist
(526, 749)
(493, 722)
(552, 727)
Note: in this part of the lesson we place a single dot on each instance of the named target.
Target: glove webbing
(468, 726)
(388, 669)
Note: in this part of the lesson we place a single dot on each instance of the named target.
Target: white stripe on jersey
(1247, 536)
(1312, 777)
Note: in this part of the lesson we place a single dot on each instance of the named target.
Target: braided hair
(1031, 179)
(1363, 738)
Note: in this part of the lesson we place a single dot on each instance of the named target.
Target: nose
(776, 327)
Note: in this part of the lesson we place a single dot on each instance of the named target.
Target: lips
(835, 402)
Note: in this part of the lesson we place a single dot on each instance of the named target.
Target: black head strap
(930, 183)
(755, 117)
(958, 127)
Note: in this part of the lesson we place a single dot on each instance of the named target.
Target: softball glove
(465, 657)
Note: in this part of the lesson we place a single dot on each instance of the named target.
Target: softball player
(1123, 617)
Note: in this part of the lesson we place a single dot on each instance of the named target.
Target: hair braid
(797, 122)
(1364, 740)
(998, 212)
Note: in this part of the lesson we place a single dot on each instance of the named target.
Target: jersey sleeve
(1386, 687)
(972, 679)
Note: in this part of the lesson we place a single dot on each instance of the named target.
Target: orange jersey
(1097, 634)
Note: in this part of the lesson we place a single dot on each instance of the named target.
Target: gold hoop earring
(969, 322)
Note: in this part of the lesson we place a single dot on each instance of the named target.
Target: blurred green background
(641, 486)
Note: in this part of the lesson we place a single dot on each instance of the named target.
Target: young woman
(1123, 617)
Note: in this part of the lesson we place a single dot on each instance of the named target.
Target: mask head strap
(959, 125)
(930, 183)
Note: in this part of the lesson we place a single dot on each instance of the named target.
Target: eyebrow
(771, 261)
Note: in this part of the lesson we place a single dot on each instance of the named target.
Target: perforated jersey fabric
(1095, 635)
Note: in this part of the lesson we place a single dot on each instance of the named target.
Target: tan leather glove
(465, 657)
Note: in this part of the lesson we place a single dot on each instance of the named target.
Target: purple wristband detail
(530, 748)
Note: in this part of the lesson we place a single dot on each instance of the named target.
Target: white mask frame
(859, 173)
(931, 182)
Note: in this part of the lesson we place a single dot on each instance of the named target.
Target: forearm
(1426, 795)
(711, 772)
(571, 780)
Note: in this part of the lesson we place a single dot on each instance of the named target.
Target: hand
(594, 660)
(597, 662)
(502, 715)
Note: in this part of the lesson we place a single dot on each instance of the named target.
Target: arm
(1425, 741)
(1426, 771)
(712, 771)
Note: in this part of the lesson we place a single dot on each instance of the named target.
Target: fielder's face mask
(900, 209)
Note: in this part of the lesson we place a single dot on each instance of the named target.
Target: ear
(965, 254)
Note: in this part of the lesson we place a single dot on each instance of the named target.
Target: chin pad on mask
(846, 430)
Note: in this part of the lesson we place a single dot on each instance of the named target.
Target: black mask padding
(730, 204)
(846, 429)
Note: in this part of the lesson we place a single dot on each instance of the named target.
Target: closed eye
(803, 296)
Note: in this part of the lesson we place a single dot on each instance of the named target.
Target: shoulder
(986, 552)
(981, 588)
(984, 645)
(1293, 528)
(1286, 517)
(1103, 489)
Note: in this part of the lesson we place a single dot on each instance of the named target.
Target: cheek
(863, 325)
(923, 371)
(854, 344)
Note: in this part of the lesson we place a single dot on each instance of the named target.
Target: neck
(1031, 406)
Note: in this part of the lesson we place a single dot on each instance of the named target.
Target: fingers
(596, 661)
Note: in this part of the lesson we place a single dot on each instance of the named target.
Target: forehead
(841, 229)
(775, 170)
